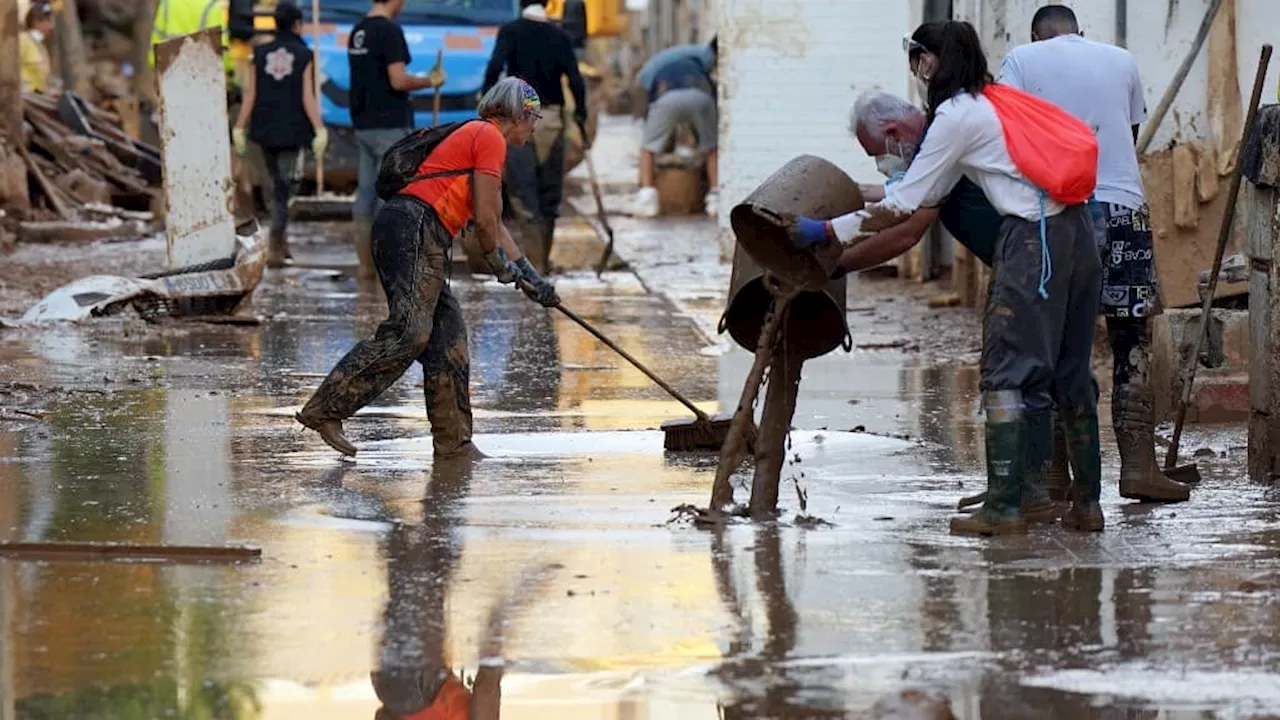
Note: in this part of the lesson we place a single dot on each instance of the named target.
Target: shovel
(1191, 473)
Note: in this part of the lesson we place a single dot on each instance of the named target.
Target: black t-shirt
(375, 43)
(540, 54)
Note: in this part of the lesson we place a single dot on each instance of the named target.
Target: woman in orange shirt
(461, 178)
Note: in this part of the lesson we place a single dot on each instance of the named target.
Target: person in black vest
(283, 116)
(541, 54)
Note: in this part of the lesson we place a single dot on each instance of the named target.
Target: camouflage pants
(424, 323)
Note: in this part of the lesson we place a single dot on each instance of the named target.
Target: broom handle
(639, 365)
(1224, 234)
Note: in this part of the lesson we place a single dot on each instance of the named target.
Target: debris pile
(89, 178)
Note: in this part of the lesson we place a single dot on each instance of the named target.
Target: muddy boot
(1081, 430)
(277, 251)
(1037, 505)
(363, 230)
(1006, 448)
(1134, 423)
(548, 239)
(1058, 482)
(448, 401)
(330, 431)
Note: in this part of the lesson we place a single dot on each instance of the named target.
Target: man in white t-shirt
(1099, 84)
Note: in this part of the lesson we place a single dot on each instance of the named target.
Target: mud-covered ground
(559, 552)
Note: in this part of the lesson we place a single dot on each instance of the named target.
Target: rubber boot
(1081, 430)
(330, 431)
(1006, 447)
(277, 251)
(448, 402)
(363, 229)
(1134, 423)
(1058, 482)
(1037, 505)
(548, 239)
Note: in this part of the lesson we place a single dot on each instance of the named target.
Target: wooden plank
(97, 551)
(1262, 228)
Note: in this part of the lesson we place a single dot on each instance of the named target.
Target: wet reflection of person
(413, 679)
(746, 671)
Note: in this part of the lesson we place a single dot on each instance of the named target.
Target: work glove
(239, 141)
(807, 233)
(535, 286)
(320, 142)
(437, 76)
(502, 268)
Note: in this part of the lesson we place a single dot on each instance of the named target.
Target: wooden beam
(90, 551)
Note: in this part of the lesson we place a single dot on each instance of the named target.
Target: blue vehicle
(463, 29)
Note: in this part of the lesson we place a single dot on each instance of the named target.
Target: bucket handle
(847, 342)
(723, 324)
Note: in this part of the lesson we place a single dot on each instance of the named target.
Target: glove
(239, 141)
(320, 142)
(502, 268)
(437, 76)
(808, 233)
(535, 286)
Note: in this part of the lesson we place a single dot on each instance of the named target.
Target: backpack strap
(442, 173)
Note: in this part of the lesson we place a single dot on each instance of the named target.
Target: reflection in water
(761, 684)
(515, 356)
(414, 676)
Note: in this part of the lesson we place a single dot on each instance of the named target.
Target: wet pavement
(560, 553)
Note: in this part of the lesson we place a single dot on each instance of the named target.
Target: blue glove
(808, 233)
(502, 268)
(535, 286)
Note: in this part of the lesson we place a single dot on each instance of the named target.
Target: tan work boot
(1032, 512)
(363, 231)
(331, 432)
(980, 523)
(1134, 423)
(1084, 518)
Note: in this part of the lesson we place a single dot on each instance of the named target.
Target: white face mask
(922, 87)
(889, 165)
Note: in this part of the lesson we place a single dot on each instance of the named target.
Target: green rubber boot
(1038, 505)
(1006, 446)
(1085, 453)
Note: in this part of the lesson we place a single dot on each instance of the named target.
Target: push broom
(701, 432)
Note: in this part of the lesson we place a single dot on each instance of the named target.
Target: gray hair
(510, 99)
(874, 108)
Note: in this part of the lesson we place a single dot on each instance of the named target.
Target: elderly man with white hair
(460, 178)
(891, 129)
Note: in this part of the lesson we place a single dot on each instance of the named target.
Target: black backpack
(400, 164)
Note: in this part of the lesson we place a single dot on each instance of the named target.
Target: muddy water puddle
(557, 553)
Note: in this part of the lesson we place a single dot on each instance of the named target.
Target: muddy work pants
(424, 323)
(1036, 350)
(534, 177)
(284, 171)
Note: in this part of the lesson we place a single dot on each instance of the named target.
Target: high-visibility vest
(175, 18)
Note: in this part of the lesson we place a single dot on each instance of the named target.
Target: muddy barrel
(816, 325)
(808, 186)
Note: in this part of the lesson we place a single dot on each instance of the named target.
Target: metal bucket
(807, 185)
(817, 324)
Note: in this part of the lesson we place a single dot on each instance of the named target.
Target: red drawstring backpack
(1051, 148)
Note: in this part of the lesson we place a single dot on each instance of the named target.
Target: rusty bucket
(816, 324)
(807, 185)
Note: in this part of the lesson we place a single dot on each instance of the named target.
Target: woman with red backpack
(1037, 165)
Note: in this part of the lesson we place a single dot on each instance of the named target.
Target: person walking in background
(381, 110)
(680, 91)
(282, 115)
(541, 54)
(33, 52)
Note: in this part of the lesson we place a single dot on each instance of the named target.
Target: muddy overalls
(424, 323)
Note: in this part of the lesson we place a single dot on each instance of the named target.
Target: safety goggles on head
(912, 48)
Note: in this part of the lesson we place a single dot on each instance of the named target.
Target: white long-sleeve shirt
(964, 140)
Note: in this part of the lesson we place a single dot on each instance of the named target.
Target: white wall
(1159, 33)
(787, 72)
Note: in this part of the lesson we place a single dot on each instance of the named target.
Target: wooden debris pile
(89, 179)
